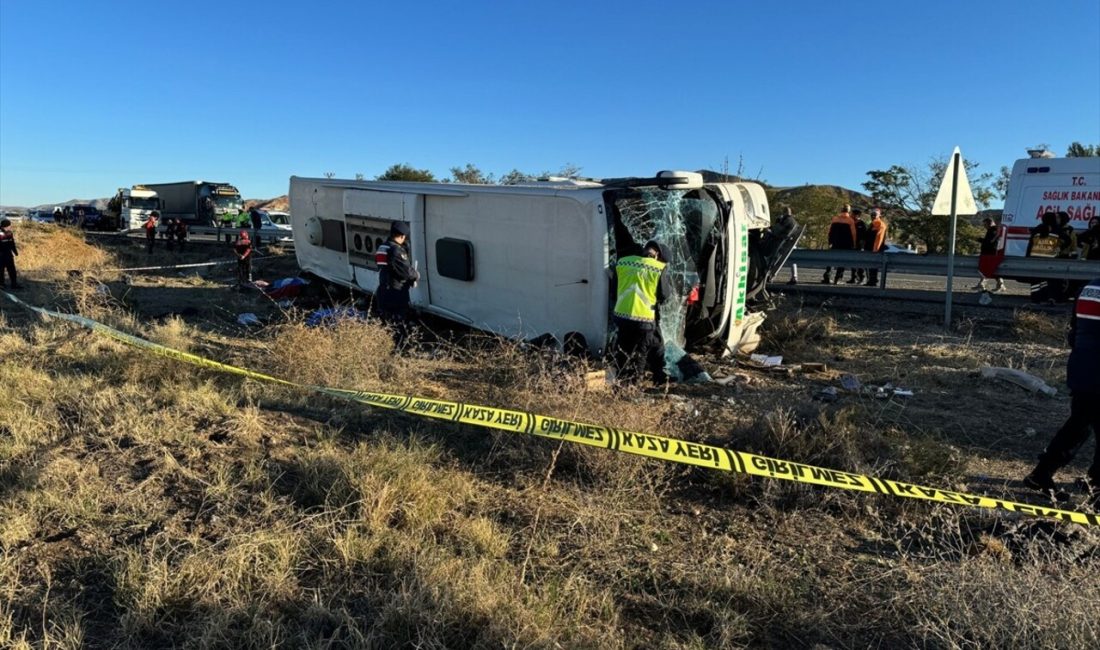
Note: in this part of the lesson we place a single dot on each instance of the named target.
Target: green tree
(470, 174)
(813, 206)
(1001, 182)
(515, 177)
(1078, 150)
(406, 172)
(907, 193)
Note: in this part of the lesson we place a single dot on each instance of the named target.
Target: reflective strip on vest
(1087, 305)
(637, 287)
(1048, 246)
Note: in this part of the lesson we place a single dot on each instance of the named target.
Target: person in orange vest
(243, 250)
(150, 226)
(842, 236)
(876, 239)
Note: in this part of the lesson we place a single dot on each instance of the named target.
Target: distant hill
(98, 203)
(278, 204)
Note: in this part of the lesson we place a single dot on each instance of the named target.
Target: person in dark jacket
(842, 236)
(257, 223)
(1083, 377)
(642, 285)
(859, 275)
(1067, 236)
(396, 276)
(8, 253)
(243, 250)
(988, 248)
(179, 228)
(1090, 240)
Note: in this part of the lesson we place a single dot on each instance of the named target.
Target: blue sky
(94, 96)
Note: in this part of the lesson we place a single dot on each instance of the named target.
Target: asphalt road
(812, 276)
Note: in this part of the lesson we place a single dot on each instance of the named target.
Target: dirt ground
(998, 427)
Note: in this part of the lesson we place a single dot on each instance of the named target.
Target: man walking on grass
(8, 253)
(1083, 377)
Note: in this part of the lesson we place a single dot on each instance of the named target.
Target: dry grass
(797, 333)
(148, 504)
(42, 247)
(1037, 327)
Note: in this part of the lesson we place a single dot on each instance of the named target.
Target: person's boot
(825, 280)
(978, 287)
(1042, 480)
(1000, 285)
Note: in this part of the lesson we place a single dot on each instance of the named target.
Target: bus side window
(454, 258)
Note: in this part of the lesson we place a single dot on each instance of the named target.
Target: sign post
(953, 198)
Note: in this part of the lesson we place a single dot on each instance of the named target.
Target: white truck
(130, 206)
(534, 261)
(1039, 185)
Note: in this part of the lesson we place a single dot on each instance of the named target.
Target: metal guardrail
(965, 265)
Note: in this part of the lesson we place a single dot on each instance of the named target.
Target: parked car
(894, 248)
(267, 224)
(279, 218)
(40, 216)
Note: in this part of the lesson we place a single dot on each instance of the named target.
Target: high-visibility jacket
(877, 235)
(638, 278)
(1045, 246)
(842, 232)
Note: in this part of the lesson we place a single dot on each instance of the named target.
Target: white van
(534, 261)
(1039, 185)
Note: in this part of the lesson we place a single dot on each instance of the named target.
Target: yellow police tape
(630, 442)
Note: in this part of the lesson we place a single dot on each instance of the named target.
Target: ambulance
(1039, 184)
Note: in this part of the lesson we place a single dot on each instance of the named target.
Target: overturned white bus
(535, 260)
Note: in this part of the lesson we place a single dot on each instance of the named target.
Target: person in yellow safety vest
(1044, 242)
(641, 286)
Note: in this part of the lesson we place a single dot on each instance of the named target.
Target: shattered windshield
(684, 221)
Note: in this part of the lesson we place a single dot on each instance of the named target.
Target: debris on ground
(766, 361)
(850, 383)
(1020, 378)
(692, 371)
(248, 319)
(286, 288)
(736, 377)
(826, 395)
(596, 380)
(333, 315)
